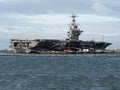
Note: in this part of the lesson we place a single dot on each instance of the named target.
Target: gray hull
(38, 46)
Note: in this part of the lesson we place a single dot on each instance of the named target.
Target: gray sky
(44, 19)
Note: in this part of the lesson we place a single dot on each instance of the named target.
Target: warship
(69, 45)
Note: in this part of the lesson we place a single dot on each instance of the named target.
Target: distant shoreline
(5, 50)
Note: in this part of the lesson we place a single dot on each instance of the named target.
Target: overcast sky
(50, 19)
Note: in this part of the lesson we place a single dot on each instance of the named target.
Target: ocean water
(70, 72)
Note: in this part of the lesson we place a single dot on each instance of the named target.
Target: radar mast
(74, 32)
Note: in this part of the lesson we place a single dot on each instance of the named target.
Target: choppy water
(85, 72)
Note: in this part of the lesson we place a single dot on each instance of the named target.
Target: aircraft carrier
(71, 44)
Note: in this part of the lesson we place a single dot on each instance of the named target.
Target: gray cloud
(59, 6)
(45, 6)
(100, 7)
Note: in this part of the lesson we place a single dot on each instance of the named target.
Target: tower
(74, 32)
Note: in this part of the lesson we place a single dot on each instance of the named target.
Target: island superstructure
(70, 44)
(74, 33)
